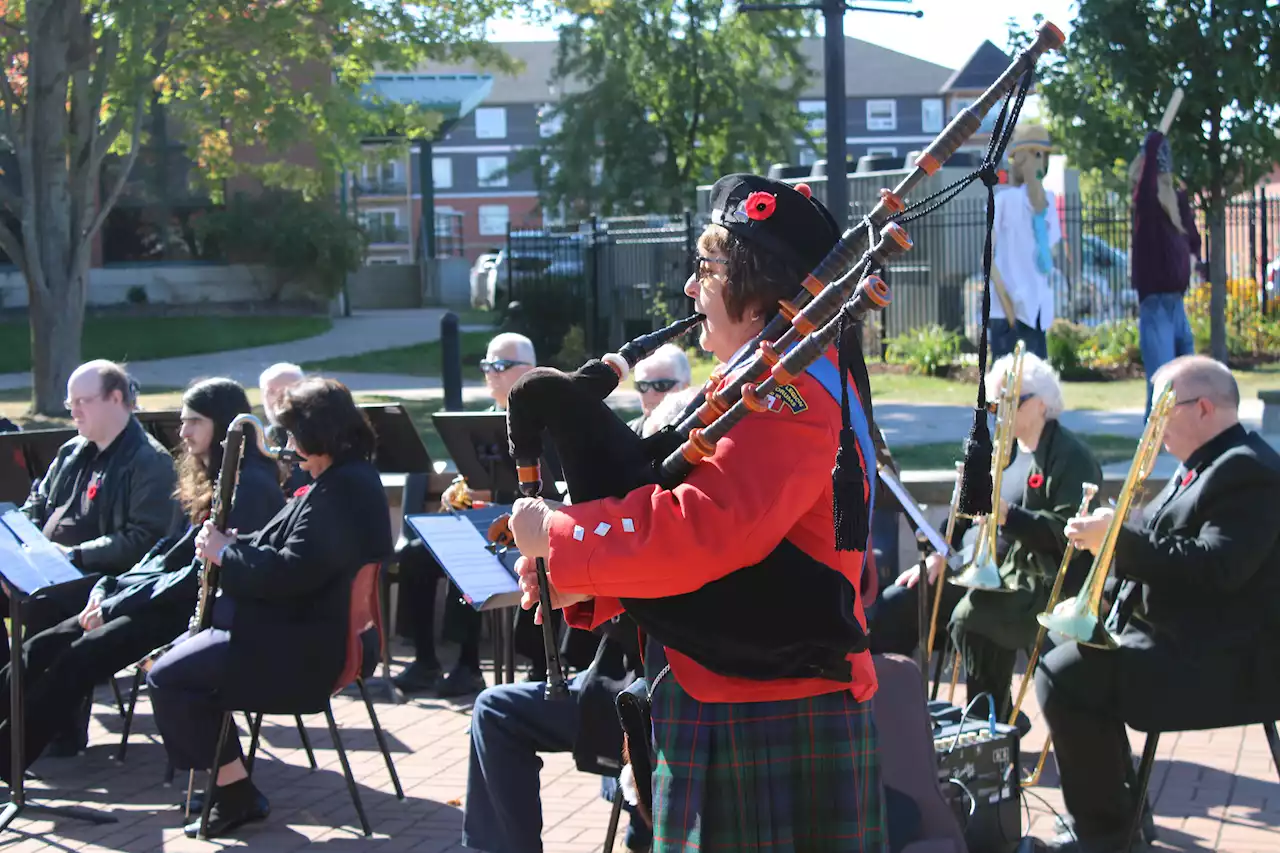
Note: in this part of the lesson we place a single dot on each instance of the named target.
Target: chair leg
(115, 689)
(346, 769)
(128, 711)
(614, 816)
(1144, 779)
(1273, 741)
(168, 774)
(212, 782)
(306, 742)
(255, 727)
(382, 741)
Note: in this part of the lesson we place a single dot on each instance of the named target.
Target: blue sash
(828, 375)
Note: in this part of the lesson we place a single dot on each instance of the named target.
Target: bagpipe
(758, 622)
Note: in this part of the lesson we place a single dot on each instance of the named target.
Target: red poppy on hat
(760, 205)
(301, 490)
(1035, 481)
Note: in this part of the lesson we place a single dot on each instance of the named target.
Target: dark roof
(987, 63)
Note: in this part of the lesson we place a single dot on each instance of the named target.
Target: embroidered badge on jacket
(791, 398)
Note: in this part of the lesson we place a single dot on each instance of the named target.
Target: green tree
(82, 78)
(1118, 70)
(661, 95)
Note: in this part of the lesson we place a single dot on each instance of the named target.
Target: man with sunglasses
(662, 373)
(508, 357)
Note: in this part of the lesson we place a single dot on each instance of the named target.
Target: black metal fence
(617, 278)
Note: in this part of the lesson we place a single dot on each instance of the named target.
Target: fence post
(1262, 227)
(591, 322)
(451, 361)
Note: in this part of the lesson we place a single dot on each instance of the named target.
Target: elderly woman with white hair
(987, 627)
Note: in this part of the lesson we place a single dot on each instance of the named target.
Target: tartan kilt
(797, 776)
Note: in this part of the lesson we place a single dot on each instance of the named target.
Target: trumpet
(1080, 618)
(1090, 489)
(982, 571)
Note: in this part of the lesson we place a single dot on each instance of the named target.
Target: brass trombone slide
(1090, 489)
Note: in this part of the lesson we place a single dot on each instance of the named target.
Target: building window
(442, 172)
(549, 121)
(550, 168)
(815, 114)
(491, 171)
(491, 123)
(493, 219)
(931, 115)
(882, 115)
(882, 151)
(383, 226)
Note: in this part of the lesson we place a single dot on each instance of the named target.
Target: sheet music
(47, 565)
(454, 539)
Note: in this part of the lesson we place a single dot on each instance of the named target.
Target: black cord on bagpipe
(975, 484)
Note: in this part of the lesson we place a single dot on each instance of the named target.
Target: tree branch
(13, 247)
(105, 206)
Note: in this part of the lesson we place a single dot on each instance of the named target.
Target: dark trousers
(510, 725)
(184, 686)
(1004, 336)
(63, 664)
(895, 618)
(988, 668)
(47, 608)
(420, 574)
(1079, 689)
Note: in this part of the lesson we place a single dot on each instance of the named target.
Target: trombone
(981, 571)
(1080, 620)
(1090, 489)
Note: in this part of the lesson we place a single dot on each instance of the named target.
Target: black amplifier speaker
(978, 772)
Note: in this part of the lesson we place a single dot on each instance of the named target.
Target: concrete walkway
(363, 331)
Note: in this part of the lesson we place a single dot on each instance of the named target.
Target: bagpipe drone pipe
(720, 625)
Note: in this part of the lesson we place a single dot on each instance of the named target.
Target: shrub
(1250, 330)
(1065, 342)
(930, 350)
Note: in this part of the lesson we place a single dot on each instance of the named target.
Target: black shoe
(417, 678)
(1023, 724)
(234, 805)
(460, 681)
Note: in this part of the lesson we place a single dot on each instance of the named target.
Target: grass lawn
(145, 338)
(416, 360)
(942, 455)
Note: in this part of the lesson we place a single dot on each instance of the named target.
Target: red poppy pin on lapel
(301, 490)
(1035, 481)
(92, 491)
(1188, 477)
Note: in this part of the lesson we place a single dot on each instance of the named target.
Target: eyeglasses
(80, 401)
(499, 365)
(704, 261)
(993, 406)
(662, 386)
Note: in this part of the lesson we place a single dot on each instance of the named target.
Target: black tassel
(848, 478)
(975, 481)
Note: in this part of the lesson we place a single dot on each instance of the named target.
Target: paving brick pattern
(1216, 790)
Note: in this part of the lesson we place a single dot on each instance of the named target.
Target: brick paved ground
(1217, 791)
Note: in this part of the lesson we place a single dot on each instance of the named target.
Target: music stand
(400, 449)
(477, 443)
(165, 427)
(41, 447)
(29, 563)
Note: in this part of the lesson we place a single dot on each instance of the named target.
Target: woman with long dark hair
(134, 613)
(278, 641)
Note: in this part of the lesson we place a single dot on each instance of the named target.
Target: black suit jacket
(1198, 606)
(291, 585)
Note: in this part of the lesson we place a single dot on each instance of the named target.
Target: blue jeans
(510, 725)
(1003, 337)
(1163, 335)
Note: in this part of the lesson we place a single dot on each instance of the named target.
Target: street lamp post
(833, 72)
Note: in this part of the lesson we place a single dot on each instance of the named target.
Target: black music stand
(477, 443)
(400, 449)
(41, 446)
(29, 563)
(165, 427)
(484, 574)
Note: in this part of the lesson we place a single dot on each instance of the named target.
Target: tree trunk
(57, 321)
(1218, 277)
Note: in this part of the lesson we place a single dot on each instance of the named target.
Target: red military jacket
(768, 479)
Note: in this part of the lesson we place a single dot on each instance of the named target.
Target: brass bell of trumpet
(981, 569)
(1079, 618)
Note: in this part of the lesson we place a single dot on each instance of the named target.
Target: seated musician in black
(128, 616)
(1196, 616)
(107, 498)
(272, 384)
(509, 356)
(280, 622)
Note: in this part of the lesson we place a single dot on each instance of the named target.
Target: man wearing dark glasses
(508, 357)
(660, 374)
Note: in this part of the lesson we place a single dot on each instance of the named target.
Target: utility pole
(833, 72)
